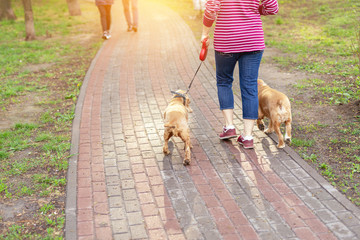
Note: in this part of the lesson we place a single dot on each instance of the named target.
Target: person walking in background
(131, 16)
(238, 38)
(104, 7)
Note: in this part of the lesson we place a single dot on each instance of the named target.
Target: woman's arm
(211, 9)
(269, 7)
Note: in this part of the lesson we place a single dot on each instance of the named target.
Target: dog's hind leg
(288, 131)
(167, 135)
(280, 136)
(186, 139)
(187, 158)
(259, 122)
(270, 128)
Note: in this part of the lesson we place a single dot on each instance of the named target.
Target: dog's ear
(261, 82)
(187, 105)
(189, 109)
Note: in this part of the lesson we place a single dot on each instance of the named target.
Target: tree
(6, 11)
(74, 7)
(29, 20)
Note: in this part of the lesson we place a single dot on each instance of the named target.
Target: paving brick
(85, 215)
(89, 237)
(176, 237)
(117, 213)
(101, 208)
(143, 187)
(99, 187)
(84, 203)
(294, 221)
(129, 194)
(192, 232)
(157, 234)
(98, 177)
(313, 203)
(325, 215)
(334, 206)
(113, 191)
(97, 167)
(135, 218)
(303, 212)
(100, 197)
(305, 233)
(283, 230)
(292, 200)
(316, 226)
(122, 236)
(246, 232)
(84, 173)
(84, 165)
(85, 228)
(138, 231)
(104, 233)
(115, 201)
(132, 206)
(340, 230)
(101, 220)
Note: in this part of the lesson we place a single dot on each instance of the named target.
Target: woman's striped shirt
(238, 25)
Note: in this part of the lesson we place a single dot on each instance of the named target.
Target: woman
(104, 7)
(238, 38)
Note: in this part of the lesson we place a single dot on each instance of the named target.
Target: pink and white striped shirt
(238, 25)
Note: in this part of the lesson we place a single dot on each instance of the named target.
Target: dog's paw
(261, 127)
(281, 145)
(288, 141)
(186, 162)
(166, 151)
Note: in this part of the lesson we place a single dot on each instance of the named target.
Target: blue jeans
(249, 63)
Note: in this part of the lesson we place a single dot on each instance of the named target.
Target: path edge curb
(71, 186)
(319, 178)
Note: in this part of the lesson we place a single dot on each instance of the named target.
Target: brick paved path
(121, 186)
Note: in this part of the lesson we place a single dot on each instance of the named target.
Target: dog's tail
(283, 106)
(280, 105)
(173, 129)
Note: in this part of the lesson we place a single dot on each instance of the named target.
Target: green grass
(34, 154)
(51, 26)
(322, 37)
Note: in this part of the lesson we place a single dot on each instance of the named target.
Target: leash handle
(204, 50)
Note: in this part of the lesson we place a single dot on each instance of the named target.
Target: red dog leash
(202, 57)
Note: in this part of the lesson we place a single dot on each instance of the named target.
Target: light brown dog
(276, 106)
(176, 123)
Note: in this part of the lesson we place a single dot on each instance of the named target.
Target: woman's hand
(205, 35)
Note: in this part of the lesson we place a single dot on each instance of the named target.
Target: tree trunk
(29, 20)
(6, 11)
(74, 7)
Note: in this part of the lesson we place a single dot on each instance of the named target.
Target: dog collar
(180, 95)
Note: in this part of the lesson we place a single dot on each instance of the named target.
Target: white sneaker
(106, 35)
